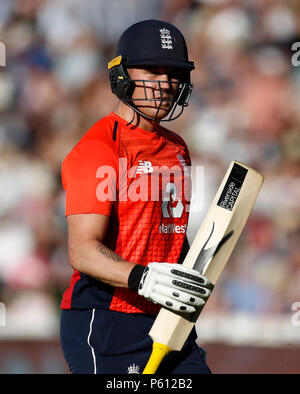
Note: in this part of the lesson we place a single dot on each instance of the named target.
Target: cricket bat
(208, 254)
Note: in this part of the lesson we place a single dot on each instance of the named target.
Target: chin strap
(129, 123)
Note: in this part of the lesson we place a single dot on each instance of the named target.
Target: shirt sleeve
(89, 177)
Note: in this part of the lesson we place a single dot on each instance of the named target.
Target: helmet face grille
(184, 90)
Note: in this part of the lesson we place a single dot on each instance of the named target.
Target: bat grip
(159, 351)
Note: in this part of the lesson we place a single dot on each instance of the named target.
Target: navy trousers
(98, 341)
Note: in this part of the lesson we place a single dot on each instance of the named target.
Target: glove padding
(174, 286)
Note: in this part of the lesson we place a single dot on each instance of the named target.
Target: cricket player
(127, 184)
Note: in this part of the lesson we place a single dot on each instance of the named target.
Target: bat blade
(209, 252)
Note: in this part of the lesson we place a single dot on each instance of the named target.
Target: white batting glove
(174, 286)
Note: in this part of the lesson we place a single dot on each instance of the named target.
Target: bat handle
(159, 351)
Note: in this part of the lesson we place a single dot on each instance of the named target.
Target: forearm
(96, 260)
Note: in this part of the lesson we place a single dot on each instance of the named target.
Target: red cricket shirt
(141, 180)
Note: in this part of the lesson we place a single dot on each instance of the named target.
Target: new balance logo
(144, 166)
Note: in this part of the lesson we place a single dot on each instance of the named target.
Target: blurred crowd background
(245, 106)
